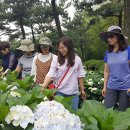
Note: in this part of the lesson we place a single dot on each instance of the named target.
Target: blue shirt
(119, 77)
(10, 61)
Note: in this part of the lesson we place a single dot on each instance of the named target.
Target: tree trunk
(120, 19)
(22, 28)
(56, 17)
(82, 51)
(34, 41)
(127, 18)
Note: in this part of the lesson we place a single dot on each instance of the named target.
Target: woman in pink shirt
(74, 77)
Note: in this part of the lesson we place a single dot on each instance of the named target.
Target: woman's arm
(11, 62)
(81, 86)
(18, 69)
(47, 81)
(106, 77)
(34, 67)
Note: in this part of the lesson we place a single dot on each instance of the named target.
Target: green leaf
(24, 99)
(33, 105)
(3, 98)
(3, 85)
(19, 100)
(121, 120)
(4, 110)
(49, 93)
(92, 107)
(67, 102)
(20, 90)
(13, 101)
(58, 98)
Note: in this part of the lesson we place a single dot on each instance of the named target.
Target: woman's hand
(83, 94)
(104, 91)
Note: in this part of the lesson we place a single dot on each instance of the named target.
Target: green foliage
(3, 112)
(96, 117)
(94, 65)
(11, 127)
(18, 92)
(93, 85)
(66, 101)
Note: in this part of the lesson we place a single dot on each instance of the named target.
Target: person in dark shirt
(9, 59)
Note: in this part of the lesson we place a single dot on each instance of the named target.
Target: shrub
(93, 65)
(93, 85)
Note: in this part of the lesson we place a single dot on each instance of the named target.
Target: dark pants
(114, 96)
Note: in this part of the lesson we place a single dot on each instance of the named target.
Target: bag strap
(63, 77)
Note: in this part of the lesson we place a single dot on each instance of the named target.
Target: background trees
(50, 18)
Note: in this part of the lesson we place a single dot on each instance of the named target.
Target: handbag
(52, 86)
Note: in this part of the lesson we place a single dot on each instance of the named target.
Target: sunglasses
(110, 35)
(43, 46)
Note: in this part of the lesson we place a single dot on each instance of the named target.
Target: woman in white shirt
(67, 58)
(42, 62)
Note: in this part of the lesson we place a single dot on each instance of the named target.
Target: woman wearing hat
(117, 69)
(9, 59)
(25, 62)
(42, 61)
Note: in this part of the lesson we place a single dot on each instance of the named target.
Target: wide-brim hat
(112, 30)
(26, 45)
(45, 41)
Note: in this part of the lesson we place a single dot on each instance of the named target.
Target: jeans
(114, 96)
(75, 99)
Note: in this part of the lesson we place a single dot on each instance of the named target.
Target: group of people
(66, 70)
(47, 67)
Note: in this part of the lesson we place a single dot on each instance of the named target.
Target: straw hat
(26, 45)
(112, 30)
(45, 41)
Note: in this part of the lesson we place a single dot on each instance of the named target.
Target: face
(63, 49)
(44, 49)
(5, 51)
(112, 39)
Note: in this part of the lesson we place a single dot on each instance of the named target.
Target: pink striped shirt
(69, 85)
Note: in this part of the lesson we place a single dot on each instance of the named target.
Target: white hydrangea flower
(90, 88)
(45, 98)
(93, 89)
(20, 115)
(15, 94)
(90, 83)
(103, 101)
(90, 79)
(14, 88)
(4, 78)
(102, 79)
(99, 83)
(51, 115)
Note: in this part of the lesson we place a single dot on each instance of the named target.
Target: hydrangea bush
(93, 84)
(20, 116)
(51, 115)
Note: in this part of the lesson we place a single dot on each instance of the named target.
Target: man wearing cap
(117, 69)
(25, 62)
(42, 61)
